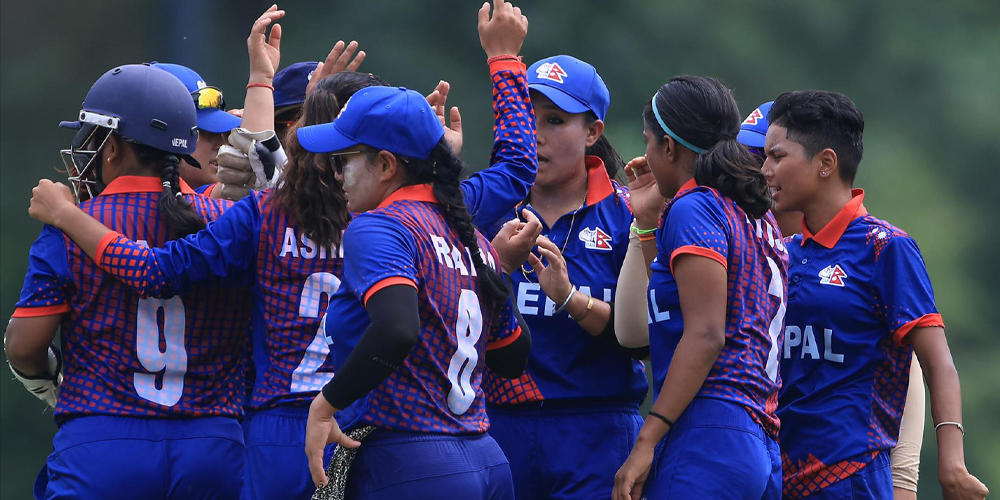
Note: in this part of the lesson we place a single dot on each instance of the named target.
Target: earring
(823, 173)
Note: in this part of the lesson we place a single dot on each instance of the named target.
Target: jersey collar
(140, 184)
(415, 192)
(598, 183)
(833, 230)
(689, 185)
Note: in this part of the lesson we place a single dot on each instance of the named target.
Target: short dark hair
(818, 119)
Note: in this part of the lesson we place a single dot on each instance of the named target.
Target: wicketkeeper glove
(253, 160)
(45, 386)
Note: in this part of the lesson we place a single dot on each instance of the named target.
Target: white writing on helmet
(179, 143)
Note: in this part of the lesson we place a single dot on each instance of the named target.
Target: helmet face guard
(81, 160)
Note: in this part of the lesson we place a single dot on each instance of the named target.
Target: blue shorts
(105, 457)
(873, 482)
(276, 465)
(565, 450)
(392, 465)
(716, 451)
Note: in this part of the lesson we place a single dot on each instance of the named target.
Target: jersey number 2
(468, 330)
(306, 377)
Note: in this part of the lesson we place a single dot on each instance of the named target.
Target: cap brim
(75, 125)
(750, 138)
(217, 121)
(561, 99)
(324, 138)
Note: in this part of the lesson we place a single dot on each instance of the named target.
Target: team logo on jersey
(551, 71)
(832, 275)
(595, 239)
(752, 119)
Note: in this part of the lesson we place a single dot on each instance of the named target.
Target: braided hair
(443, 170)
(175, 210)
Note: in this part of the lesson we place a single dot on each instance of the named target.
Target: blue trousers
(406, 465)
(108, 458)
(565, 451)
(715, 451)
(276, 466)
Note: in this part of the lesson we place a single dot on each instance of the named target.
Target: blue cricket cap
(290, 84)
(391, 118)
(210, 119)
(571, 84)
(754, 128)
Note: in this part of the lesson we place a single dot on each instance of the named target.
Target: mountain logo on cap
(551, 71)
(752, 119)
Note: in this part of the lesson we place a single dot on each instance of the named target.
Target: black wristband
(661, 417)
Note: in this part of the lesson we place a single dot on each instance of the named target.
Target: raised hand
(265, 51)
(338, 60)
(438, 99)
(49, 200)
(504, 33)
(554, 278)
(647, 202)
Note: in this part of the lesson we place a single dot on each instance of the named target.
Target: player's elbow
(711, 338)
(16, 345)
(511, 360)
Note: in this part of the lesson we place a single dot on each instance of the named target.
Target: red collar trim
(415, 192)
(140, 184)
(598, 183)
(830, 234)
(689, 185)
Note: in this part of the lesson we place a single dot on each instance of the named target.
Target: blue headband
(671, 133)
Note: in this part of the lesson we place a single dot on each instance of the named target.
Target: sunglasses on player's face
(208, 98)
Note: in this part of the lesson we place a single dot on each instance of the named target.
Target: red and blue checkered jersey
(129, 355)
(566, 362)
(856, 289)
(437, 387)
(253, 243)
(701, 221)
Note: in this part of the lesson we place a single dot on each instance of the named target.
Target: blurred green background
(926, 74)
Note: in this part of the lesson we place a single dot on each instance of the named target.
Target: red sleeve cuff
(509, 65)
(504, 342)
(35, 312)
(927, 320)
(699, 251)
(387, 282)
(102, 245)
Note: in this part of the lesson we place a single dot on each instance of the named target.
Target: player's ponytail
(443, 170)
(702, 112)
(309, 192)
(175, 210)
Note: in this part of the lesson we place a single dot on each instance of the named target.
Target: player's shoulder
(698, 200)
(877, 235)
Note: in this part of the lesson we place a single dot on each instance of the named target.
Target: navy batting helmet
(141, 104)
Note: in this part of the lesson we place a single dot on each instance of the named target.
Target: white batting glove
(45, 386)
(253, 160)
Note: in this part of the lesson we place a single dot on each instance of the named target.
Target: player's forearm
(258, 108)
(593, 320)
(693, 359)
(631, 326)
(905, 456)
(26, 343)
(946, 396)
